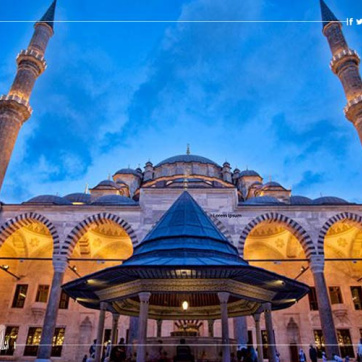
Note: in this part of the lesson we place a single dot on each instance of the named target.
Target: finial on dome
(86, 190)
(270, 178)
(188, 149)
(109, 177)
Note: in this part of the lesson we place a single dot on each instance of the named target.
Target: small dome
(272, 184)
(79, 198)
(48, 199)
(247, 173)
(262, 200)
(108, 183)
(129, 171)
(113, 200)
(300, 200)
(256, 184)
(329, 200)
(187, 159)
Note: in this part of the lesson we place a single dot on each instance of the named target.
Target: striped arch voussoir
(14, 224)
(97, 219)
(343, 216)
(291, 225)
(222, 228)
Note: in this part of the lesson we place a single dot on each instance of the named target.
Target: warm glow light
(185, 305)
(5, 267)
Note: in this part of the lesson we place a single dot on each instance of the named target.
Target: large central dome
(187, 159)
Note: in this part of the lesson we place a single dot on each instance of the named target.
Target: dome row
(295, 200)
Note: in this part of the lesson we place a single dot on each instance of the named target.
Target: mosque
(54, 250)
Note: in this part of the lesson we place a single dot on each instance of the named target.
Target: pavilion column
(159, 328)
(241, 331)
(142, 326)
(50, 319)
(259, 341)
(272, 350)
(223, 297)
(316, 264)
(210, 324)
(100, 331)
(132, 335)
(115, 319)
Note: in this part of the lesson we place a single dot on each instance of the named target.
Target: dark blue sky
(259, 95)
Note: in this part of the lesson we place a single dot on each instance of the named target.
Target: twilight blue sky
(258, 95)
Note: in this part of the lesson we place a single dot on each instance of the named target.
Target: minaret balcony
(342, 57)
(33, 56)
(20, 104)
(353, 108)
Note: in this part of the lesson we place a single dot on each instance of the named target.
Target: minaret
(14, 107)
(345, 64)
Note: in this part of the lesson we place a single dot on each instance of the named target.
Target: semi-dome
(329, 200)
(272, 184)
(262, 200)
(129, 171)
(48, 199)
(247, 173)
(108, 183)
(79, 197)
(113, 200)
(300, 200)
(187, 159)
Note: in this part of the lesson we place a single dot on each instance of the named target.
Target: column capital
(266, 307)
(144, 297)
(60, 263)
(115, 316)
(256, 317)
(316, 263)
(223, 297)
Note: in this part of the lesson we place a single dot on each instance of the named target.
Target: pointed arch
(291, 225)
(14, 224)
(79, 230)
(355, 219)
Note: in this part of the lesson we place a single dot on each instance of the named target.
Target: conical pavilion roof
(185, 235)
(48, 17)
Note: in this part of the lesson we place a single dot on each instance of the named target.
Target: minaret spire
(48, 17)
(345, 64)
(14, 107)
(327, 14)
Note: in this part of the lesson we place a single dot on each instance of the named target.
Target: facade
(50, 240)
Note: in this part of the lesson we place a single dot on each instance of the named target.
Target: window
(345, 343)
(7, 348)
(319, 342)
(335, 294)
(58, 340)
(264, 338)
(64, 301)
(20, 295)
(357, 297)
(33, 340)
(313, 302)
(250, 337)
(42, 294)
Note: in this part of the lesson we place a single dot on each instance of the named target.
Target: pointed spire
(327, 14)
(188, 149)
(48, 17)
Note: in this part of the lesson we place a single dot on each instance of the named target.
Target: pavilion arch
(292, 226)
(96, 219)
(14, 224)
(354, 219)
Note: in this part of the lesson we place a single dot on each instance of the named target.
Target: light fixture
(6, 270)
(185, 305)
(74, 270)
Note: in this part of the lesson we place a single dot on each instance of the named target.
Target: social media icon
(359, 21)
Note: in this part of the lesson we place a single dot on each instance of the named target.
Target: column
(132, 335)
(210, 324)
(223, 297)
(100, 331)
(50, 319)
(270, 332)
(142, 326)
(316, 264)
(259, 341)
(159, 328)
(241, 331)
(115, 319)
